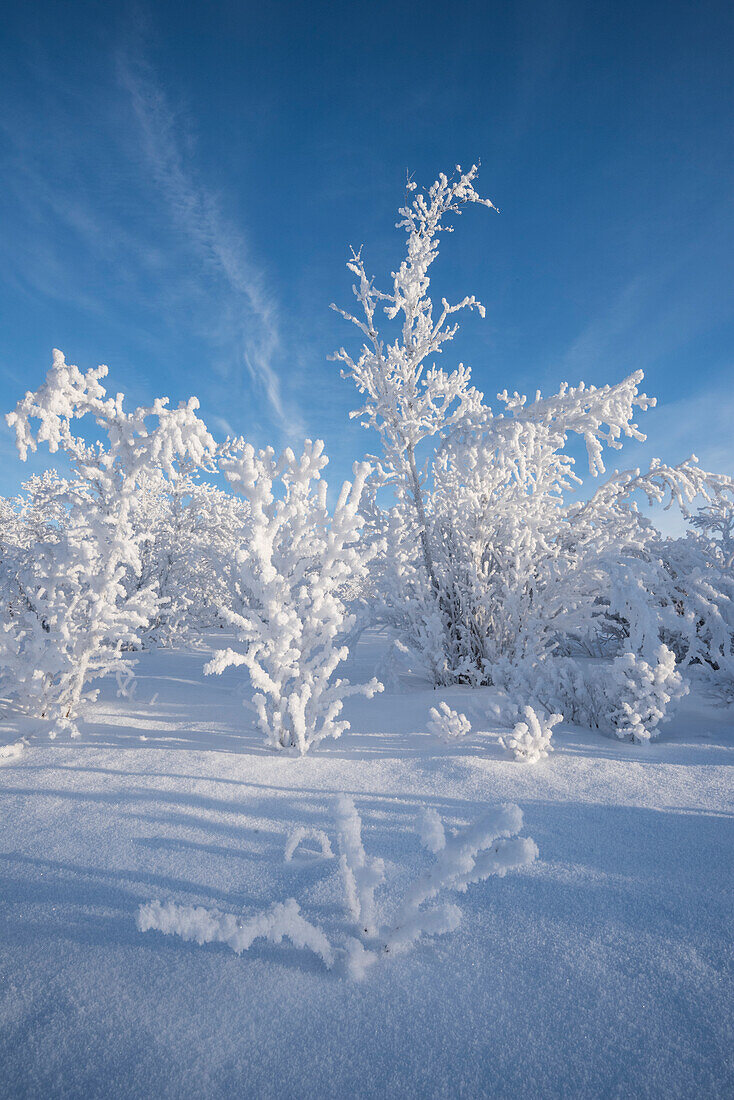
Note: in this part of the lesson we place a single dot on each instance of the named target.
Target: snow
(12, 752)
(602, 968)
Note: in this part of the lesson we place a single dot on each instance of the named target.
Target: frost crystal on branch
(210, 926)
(361, 874)
(431, 831)
(305, 832)
(489, 847)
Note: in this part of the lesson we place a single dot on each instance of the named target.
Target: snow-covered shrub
(485, 558)
(627, 697)
(530, 741)
(293, 569)
(202, 925)
(192, 534)
(448, 724)
(81, 607)
(646, 690)
(490, 846)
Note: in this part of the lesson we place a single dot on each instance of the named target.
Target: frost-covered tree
(192, 531)
(293, 571)
(81, 611)
(408, 403)
(700, 569)
(35, 516)
(489, 562)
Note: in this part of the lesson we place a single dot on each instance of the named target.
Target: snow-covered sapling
(299, 556)
(644, 693)
(448, 724)
(489, 847)
(530, 740)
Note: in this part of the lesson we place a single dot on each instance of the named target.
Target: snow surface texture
(602, 969)
(12, 752)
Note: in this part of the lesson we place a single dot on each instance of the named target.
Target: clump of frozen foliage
(77, 605)
(448, 724)
(293, 625)
(645, 693)
(530, 741)
(627, 697)
(491, 846)
(488, 562)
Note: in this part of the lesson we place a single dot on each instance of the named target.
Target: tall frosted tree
(489, 560)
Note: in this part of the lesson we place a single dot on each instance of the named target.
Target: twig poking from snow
(361, 875)
(448, 724)
(12, 752)
(302, 833)
(358, 959)
(431, 831)
(210, 926)
(127, 685)
(530, 740)
(489, 847)
(63, 726)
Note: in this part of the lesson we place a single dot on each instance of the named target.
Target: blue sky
(181, 183)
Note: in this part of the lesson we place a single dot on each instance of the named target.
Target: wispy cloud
(662, 306)
(218, 243)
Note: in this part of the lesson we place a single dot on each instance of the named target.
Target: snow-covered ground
(603, 969)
